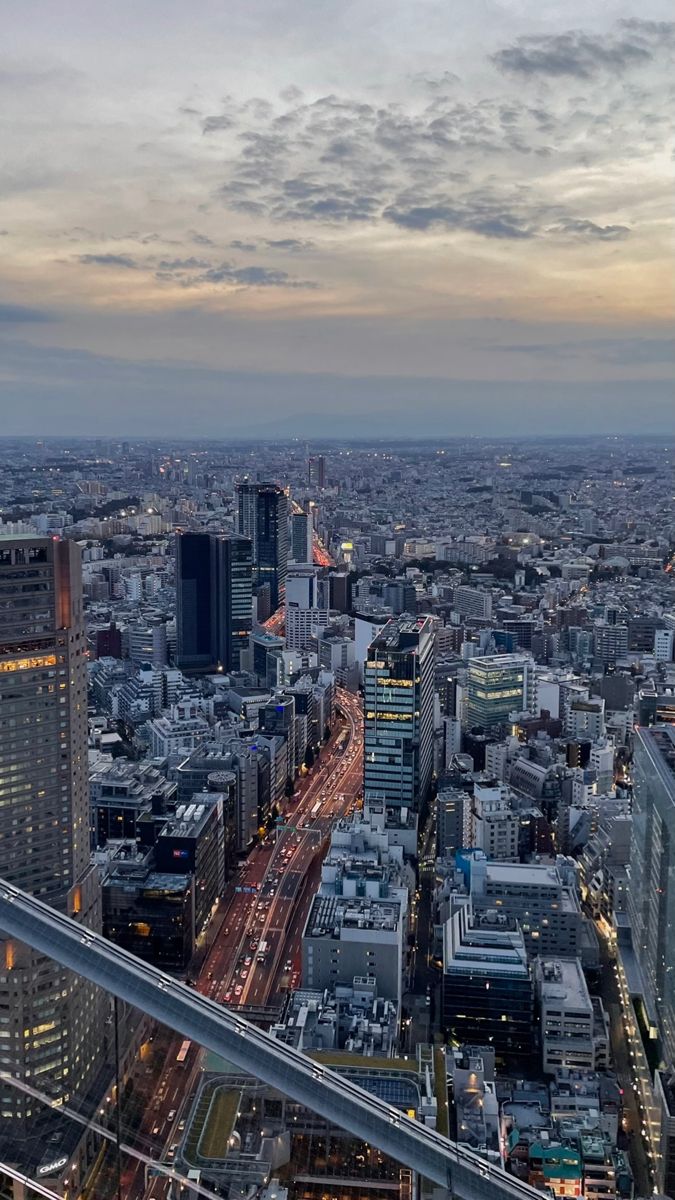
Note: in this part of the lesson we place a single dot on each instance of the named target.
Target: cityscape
(364, 751)
(337, 600)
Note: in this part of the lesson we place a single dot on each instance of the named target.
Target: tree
(326, 732)
(289, 789)
(309, 757)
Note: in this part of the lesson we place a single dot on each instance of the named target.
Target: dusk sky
(322, 217)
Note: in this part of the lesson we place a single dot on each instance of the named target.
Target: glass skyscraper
(213, 600)
(262, 516)
(50, 1031)
(399, 712)
(498, 685)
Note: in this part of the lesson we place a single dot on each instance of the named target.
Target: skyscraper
(316, 471)
(262, 516)
(213, 600)
(399, 712)
(52, 1035)
(306, 612)
(301, 537)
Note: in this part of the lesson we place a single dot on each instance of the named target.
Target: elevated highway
(332, 1096)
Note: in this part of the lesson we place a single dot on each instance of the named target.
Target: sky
(335, 217)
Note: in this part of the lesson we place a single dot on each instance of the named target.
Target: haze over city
(261, 219)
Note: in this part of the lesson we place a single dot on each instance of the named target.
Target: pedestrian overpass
(459, 1171)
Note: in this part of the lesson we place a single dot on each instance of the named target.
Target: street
(265, 905)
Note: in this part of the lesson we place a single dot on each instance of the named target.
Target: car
(289, 965)
(155, 1130)
(171, 1114)
(181, 1125)
(238, 990)
(227, 997)
(243, 974)
(248, 960)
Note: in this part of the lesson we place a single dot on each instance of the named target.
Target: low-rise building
(574, 1030)
(540, 898)
(348, 937)
(487, 990)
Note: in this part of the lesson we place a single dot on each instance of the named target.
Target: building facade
(498, 685)
(214, 606)
(262, 516)
(52, 1032)
(652, 872)
(399, 713)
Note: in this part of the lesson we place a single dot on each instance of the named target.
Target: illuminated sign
(25, 664)
(52, 1167)
(181, 853)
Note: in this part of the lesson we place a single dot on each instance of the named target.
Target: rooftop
(330, 916)
(563, 979)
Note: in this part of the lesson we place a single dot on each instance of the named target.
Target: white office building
(538, 895)
(495, 825)
(574, 1029)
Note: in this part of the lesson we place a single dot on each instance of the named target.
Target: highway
(336, 1098)
(280, 876)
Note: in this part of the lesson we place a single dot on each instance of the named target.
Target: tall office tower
(51, 1036)
(316, 471)
(246, 505)
(497, 685)
(652, 875)
(262, 516)
(214, 604)
(305, 615)
(399, 713)
(301, 537)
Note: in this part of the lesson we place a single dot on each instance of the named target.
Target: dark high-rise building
(399, 712)
(214, 600)
(316, 471)
(109, 642)
(262, 516)
(301, 537)
(52, 1037)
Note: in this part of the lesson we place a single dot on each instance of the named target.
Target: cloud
(249, 247)
(183, 264)
(108, 260)
(217, 123)
(200, 239)
(292, 245)
(623, 351)
(339, 161)
(195, 273)
(582, 55)
(589, 231)
(15, 314)
(480, 214)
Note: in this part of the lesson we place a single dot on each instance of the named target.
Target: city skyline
(283, 218)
